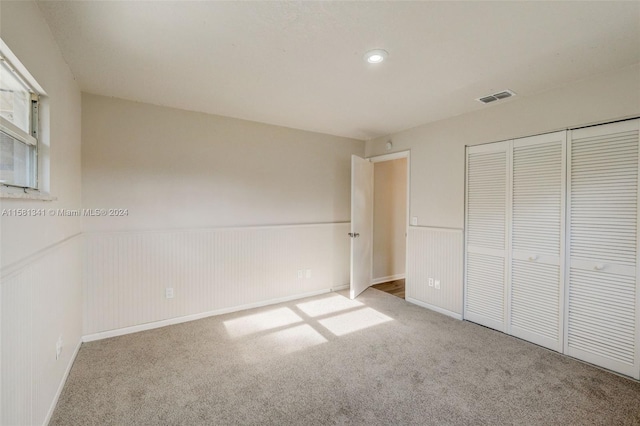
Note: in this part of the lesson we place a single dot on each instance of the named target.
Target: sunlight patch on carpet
(280, 343)
(328, 305)
(250, 324)
(354, 321)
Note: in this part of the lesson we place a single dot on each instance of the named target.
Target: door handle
(354, 234)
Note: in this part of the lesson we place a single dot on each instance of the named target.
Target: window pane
(17, 162)
(15, 99)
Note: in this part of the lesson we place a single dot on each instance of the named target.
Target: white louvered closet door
(537, 239)
(486, 234)
(602, 300)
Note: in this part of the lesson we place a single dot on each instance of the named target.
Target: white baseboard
(178, 320)
(387, 279)
(434, 308)
(62, 383)
(341, 287)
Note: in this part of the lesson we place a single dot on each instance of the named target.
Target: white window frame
(32, 137)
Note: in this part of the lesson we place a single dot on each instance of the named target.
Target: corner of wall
(41, 287)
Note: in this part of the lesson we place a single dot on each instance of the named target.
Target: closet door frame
(633, 371)
(561, 260)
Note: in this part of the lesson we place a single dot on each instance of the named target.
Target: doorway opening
(394, 288)
(379, 222)
(389, 225)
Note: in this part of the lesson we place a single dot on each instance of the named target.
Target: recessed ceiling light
(376, 56)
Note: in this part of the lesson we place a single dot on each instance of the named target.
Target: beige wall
(186, 177)
(178, 169)
(41, 286)
(389, 218)
(437, 149)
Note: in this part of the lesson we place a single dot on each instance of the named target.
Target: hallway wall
(389, 220)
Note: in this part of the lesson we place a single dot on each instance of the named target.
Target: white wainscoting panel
(40, 300)
(435, 253)
(127, 273)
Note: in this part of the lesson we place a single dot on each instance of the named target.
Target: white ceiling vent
(496, 96)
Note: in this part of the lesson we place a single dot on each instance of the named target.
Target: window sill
(29, 194)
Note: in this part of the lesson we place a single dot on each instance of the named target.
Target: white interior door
(537, 239)
(603, 300)
(487, 234)
(361, 224)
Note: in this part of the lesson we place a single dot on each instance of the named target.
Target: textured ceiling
(300, 64)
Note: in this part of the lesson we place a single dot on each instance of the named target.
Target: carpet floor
(378, 360)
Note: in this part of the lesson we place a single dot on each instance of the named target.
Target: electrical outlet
(59, 345)
(437, 284)
(169, 293)
(430, 282)
(308, 273)
(300, 273)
